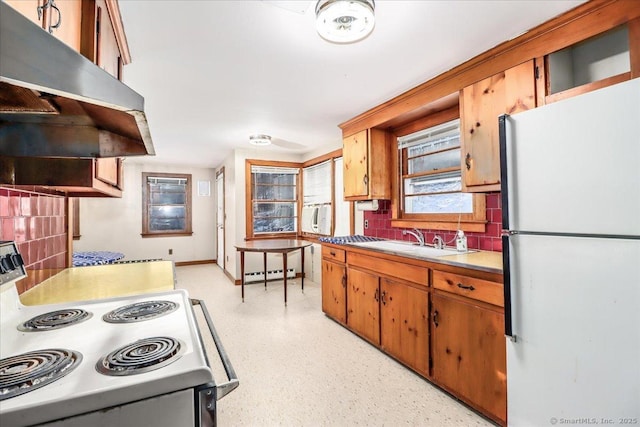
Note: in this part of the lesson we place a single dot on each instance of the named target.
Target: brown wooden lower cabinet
(445, 325)
(404, 323)
(334, 288)
(363, 309)
(469, 352)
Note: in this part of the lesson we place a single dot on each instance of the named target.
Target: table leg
(264, 259)
(284, 267)
(302, 269)
(242, 273)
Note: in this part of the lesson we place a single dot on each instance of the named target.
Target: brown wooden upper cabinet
(599, 61)
(99, 37)
(77, 177)
(481, 103)
(91, 27)
(367, 165)
(61, 19)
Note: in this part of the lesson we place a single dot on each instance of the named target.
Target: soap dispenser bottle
(461, 241)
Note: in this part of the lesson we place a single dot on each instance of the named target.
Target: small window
(317, 183)
(430, 184)
(274, 200)
(431, 175)
(166, 200)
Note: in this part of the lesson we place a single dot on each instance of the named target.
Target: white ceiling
(213, 72)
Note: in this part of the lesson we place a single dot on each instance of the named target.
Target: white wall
(115, 224)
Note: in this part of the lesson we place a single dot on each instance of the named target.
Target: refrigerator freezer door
(577, 322)
(574, 166)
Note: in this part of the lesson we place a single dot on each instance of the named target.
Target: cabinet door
(70, 22)
(404, 320)
(29, 8)
(334, 290)
(363, 311)
(469, 352)
(507, 92)
(107, 170)
(355, 160)
(99, 42)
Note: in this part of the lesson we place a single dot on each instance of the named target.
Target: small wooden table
(280, 246)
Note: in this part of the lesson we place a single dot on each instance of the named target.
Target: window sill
(179, 234)
(468, 226)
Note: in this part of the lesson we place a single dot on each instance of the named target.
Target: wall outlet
(366, 223)
(170, 251)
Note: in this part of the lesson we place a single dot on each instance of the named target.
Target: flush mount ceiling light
(344, 21)
(259, 139)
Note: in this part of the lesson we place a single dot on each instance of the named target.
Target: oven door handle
(225, 388)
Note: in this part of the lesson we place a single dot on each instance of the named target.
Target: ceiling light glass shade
(344, 21)
(260, 139)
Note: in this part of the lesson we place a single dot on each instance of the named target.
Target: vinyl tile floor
(297, 367)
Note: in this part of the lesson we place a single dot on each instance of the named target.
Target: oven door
(208, 394)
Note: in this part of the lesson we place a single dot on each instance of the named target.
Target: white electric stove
(136, 360)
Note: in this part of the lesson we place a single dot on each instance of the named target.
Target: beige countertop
(102, 281)
(478, 260)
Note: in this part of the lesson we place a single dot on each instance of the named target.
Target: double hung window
(274, 199)
(166, 204)
(430, 180)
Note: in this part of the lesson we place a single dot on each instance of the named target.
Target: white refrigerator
(571, 251)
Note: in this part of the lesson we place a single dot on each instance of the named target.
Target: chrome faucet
(415, 233)
(438, 242)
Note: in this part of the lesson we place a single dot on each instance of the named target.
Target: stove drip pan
(140, 311)
(141, 356)
(55, 320)
(29, 371)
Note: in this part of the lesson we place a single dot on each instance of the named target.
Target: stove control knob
(16, 260)
(6, 264)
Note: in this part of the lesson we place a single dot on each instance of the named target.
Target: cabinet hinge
(536, 72)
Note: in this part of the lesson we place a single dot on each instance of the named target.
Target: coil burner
(55, 320)
(140, 311)
(141, 356)
(29, 371)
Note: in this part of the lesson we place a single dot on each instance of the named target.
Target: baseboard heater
(258, 276)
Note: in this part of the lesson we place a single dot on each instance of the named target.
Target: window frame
(331, 156)
(146, 202)
(250, 234)
(471, 222)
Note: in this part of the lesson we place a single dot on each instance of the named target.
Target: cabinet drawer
(333, 253)
(482, 290)
(385, 267)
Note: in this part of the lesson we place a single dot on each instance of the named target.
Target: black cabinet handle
(470, 287)
(435, 318)
(57, 24)
(332, 253)
(467, 161)
(344, 281)
(384, 298)
(376, 296)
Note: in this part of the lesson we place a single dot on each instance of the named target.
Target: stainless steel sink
(408, 248)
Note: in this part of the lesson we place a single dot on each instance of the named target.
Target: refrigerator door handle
(508, 314)
(504, 181)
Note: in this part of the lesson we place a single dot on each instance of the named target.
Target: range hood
(54, 102)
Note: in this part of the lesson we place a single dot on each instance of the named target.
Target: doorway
(220, 217)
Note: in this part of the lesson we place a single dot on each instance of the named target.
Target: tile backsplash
(36, 221)
(379, 225)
